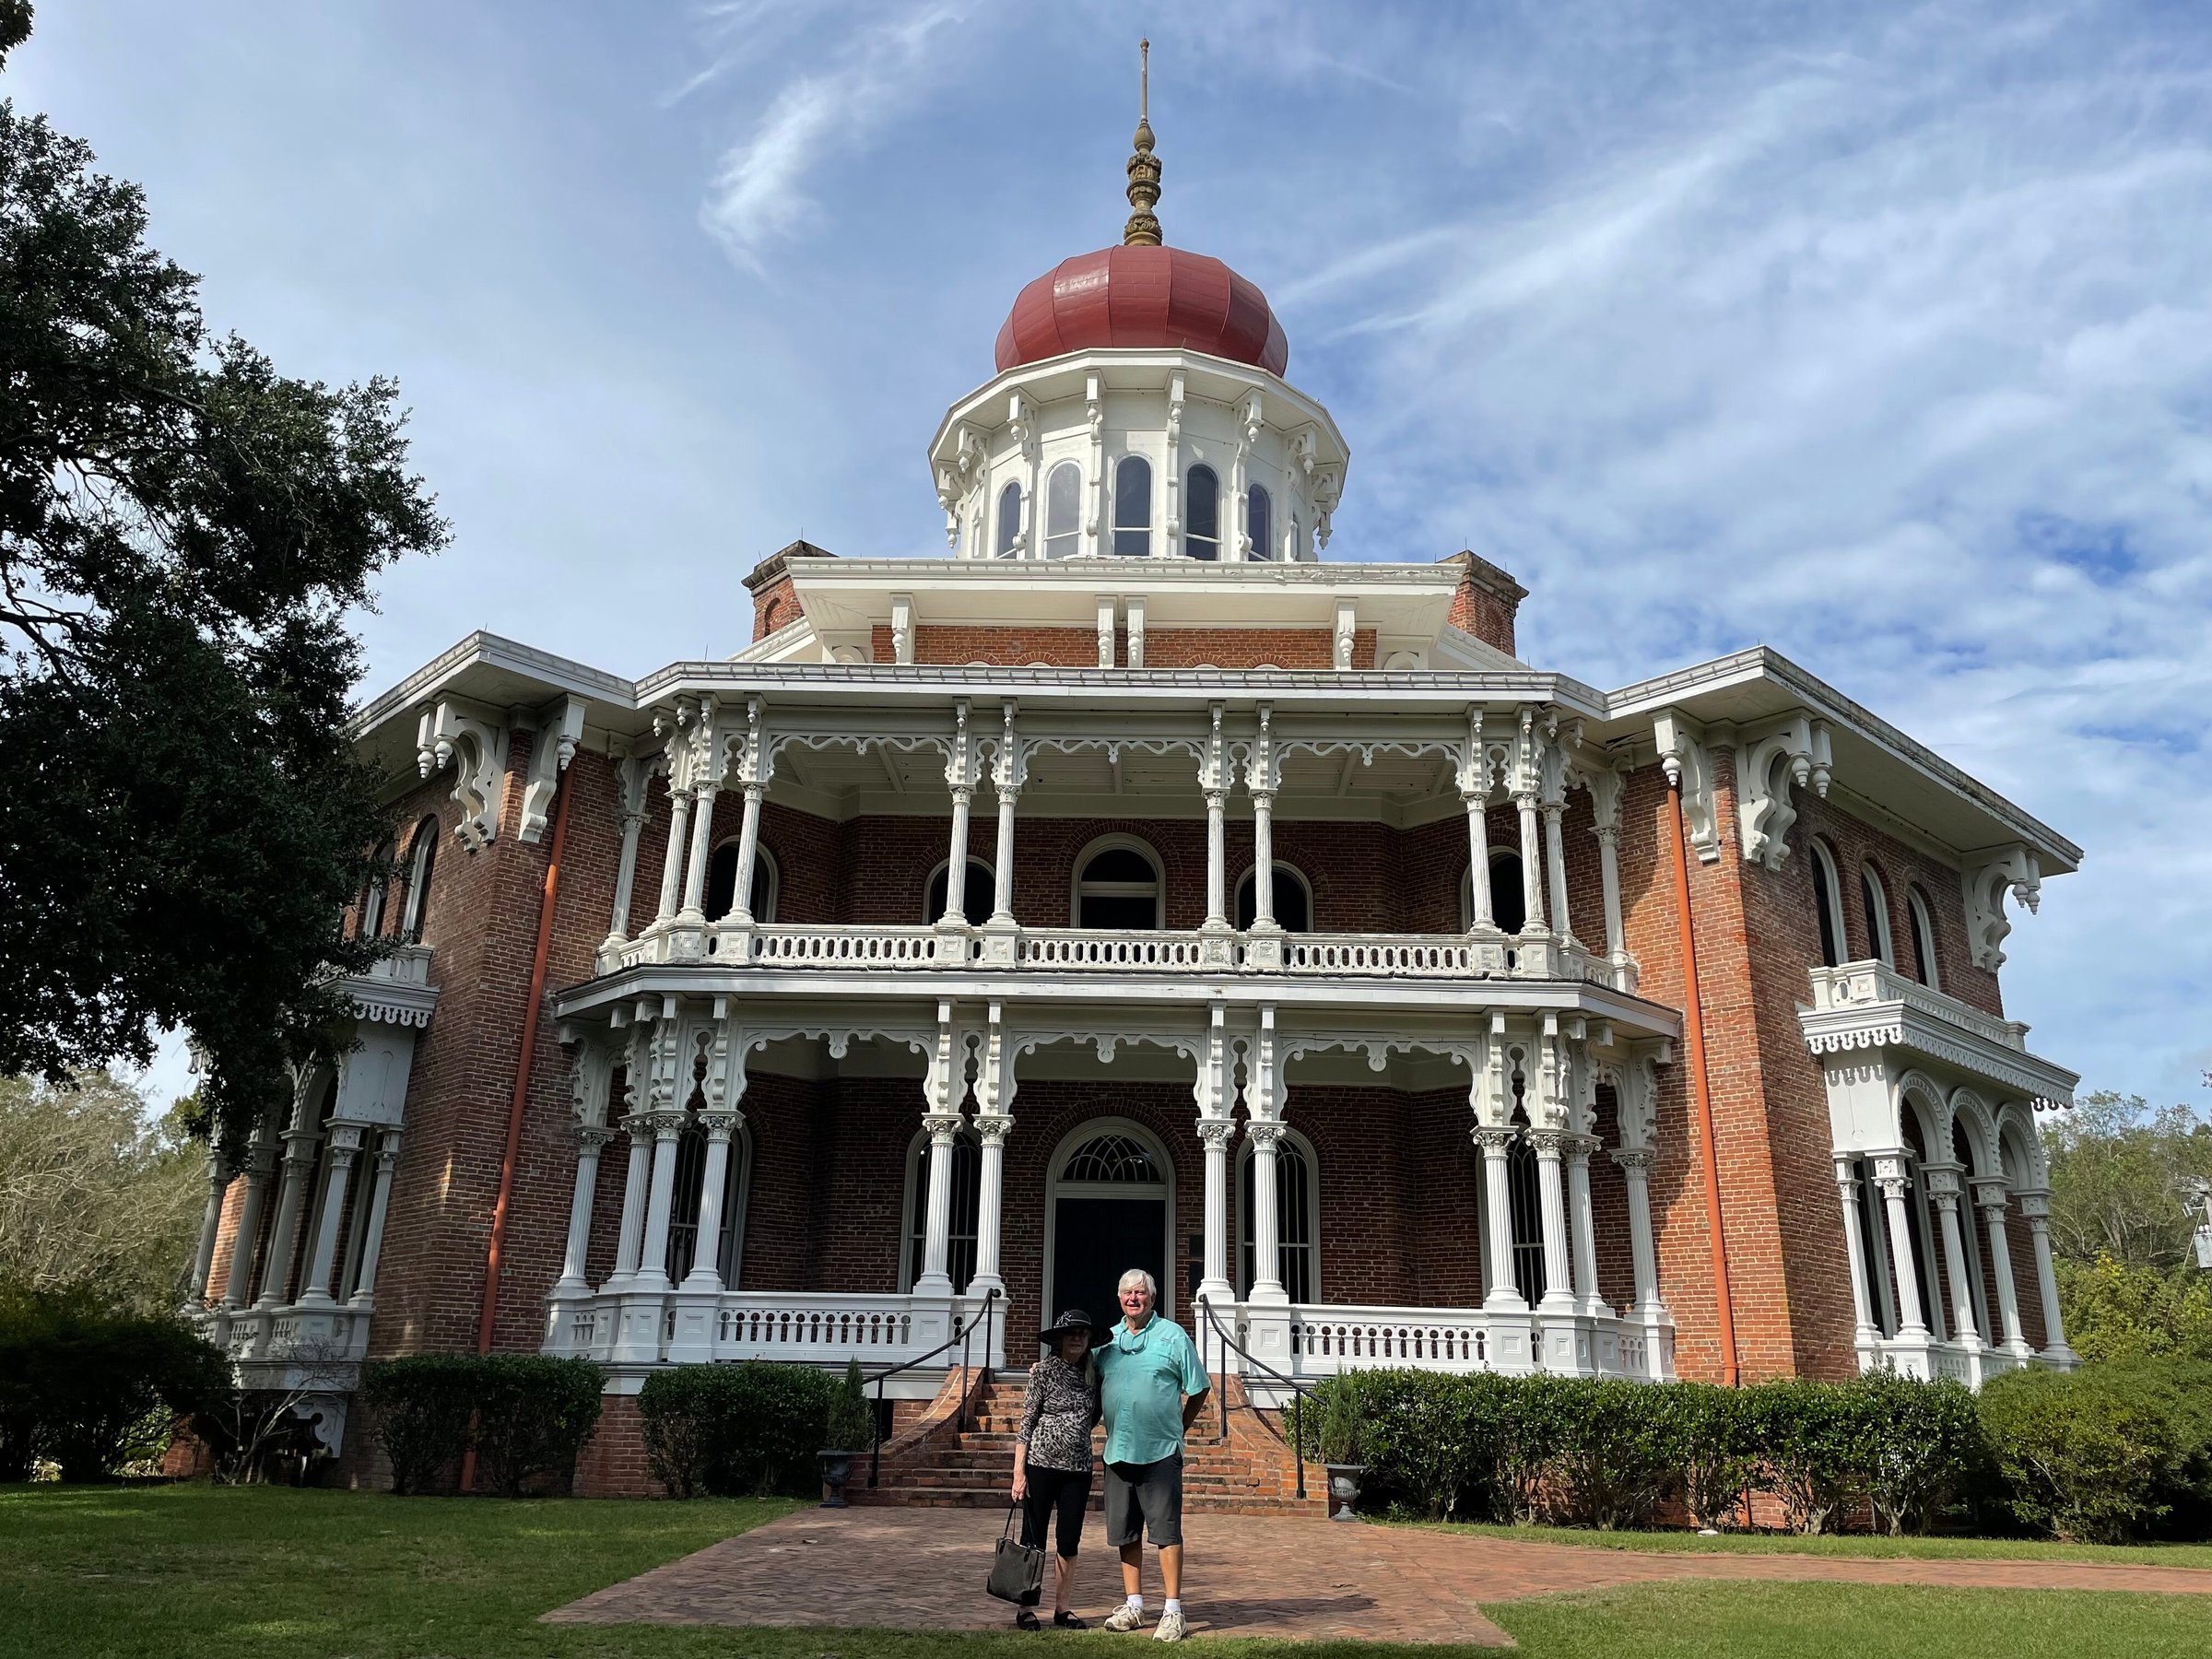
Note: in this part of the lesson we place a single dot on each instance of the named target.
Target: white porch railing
(1112, 952)
(622, 1326)
(779, 944)
(1856, 985)
(1928, 1361)
(1325, 1341)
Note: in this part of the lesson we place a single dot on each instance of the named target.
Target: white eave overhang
(1899, 1026)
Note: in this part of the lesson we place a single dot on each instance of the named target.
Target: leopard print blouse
(1059, 1413)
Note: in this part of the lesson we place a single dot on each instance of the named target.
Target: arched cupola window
(1062, 511)
(1259, 522)
(1133, 508)
(1826, 906)
(1202, 515)
(1009, 522)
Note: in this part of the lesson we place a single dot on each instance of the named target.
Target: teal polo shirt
(1144, 1376)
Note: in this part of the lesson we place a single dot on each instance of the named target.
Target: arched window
(1115, 1159)
(1259, 522)
(1293, 900)
(1009, 521)
(1133, 508)
(372, 896)
(1202, 515)
(1825, 906)
(1297, 1204)
(1877, 901)
(967, 1198)
(1508, 902)
(682, 1214)
(1120, 886)
(1524, 1191)
(722, 883)
(1923, 939)
(1063, 512)
(976, 895)
(422, 859)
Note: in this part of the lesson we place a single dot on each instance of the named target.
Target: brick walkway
(1249, 1576)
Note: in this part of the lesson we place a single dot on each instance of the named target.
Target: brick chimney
(774, 603)
(1487, 601)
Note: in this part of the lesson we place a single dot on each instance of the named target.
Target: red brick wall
(952, 645)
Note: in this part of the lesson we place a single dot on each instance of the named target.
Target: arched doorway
(1109, 1209)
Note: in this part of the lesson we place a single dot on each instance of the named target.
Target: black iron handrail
(1298, 1394)
(963, 1336)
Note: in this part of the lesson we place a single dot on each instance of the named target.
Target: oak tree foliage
(183, 532)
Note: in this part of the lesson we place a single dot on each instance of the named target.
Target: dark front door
(1095, 1241)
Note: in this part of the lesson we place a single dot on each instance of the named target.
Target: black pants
(1065, 1491)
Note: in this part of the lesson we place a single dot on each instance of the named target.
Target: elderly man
(1152, 1388)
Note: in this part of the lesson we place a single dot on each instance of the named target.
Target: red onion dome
(1139, 296)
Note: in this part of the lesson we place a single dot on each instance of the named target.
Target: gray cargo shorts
(1148, 1493)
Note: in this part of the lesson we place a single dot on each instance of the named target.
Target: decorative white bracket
(1795, 753)
(1682, 756)
(1346, 633)
(902, 627)
(1133, 608)
(475, 745)
(1105, 631)
(1986, 884)
(559, 727)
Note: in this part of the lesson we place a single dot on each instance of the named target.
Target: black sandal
(1025, 1619)
(1068, 1621)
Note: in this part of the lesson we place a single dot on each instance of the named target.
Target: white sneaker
(1172, 1628)
(1126, 1618)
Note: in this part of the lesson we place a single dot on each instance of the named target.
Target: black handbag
(1017, 1569)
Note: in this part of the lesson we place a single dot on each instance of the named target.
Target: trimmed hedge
(526, 1415)
(737, 1430)
(2103, 1453)
(92, 1388)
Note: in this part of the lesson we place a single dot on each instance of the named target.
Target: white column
(694, 913)
(991, 1129)
(345, 1141)
(1216, 1284)
(1890, 1176)
(590, 1137)
(259, 1151)
(630, 1245)
(1558, 1272)
(1267, 1244)
(380, 1205)
(749, 854)
(1635, 1168)
(284, 1238)
(1555, 864)
(672, 860)
(1943, 1197)
(1497, 1143)
(632, 775)
(1990, 1195)
(1001, 873)
(1608, 875)
(211, 1222)
(1263, 860)
(1217, 917)
(706, 1251)
(653, 1263)
(955, 872)
(2036, 1207)
(1867, 1334)
(1532, 867)
(937, 1224)
(1584, 1216)
(1481, 912)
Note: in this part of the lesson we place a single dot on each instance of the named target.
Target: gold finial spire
(1142, 229)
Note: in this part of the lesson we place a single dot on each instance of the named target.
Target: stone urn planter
(837, 1469)
(1344, 1488)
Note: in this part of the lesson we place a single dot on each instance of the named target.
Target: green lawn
(1986, 1549)
(196, 1573)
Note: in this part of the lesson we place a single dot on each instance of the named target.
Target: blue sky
(1881, 334)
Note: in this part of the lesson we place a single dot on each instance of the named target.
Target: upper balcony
(1870, 1005)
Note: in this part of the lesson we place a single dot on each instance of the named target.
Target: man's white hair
(1137, 1275)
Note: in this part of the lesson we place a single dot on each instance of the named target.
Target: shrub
(2081, 1456)
(1339, 1420)
(421, 1406)
(852, 1423)
(1720, 1450)
(734, 1430)
(1818, 1441)
(92, 1387)
(1926, 1440)
(1428, 1443)
(533, 1415)
(1618, 1448)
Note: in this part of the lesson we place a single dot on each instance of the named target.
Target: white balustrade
(1325, 1340)
(781, 945)
(1929, 1360)
(1856, 985)
(1111, 952)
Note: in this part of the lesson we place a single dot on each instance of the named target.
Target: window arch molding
(1874, 896)
(1828, 905)
(1202, 514)
(1289, 883)
(1259, 522)
(1920, 919)
(1080, 880)
(981, 891)
(1132, 525)
(1056, 1184)
(1303, 1282)
(1064, 510)
(1007, 542)
(966, 1206)
(721, 881)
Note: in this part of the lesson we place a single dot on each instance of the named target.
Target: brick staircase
(933, 1464)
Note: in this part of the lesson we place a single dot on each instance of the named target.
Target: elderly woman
(1051, 1453)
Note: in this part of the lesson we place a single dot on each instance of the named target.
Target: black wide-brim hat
(1073, 1319)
